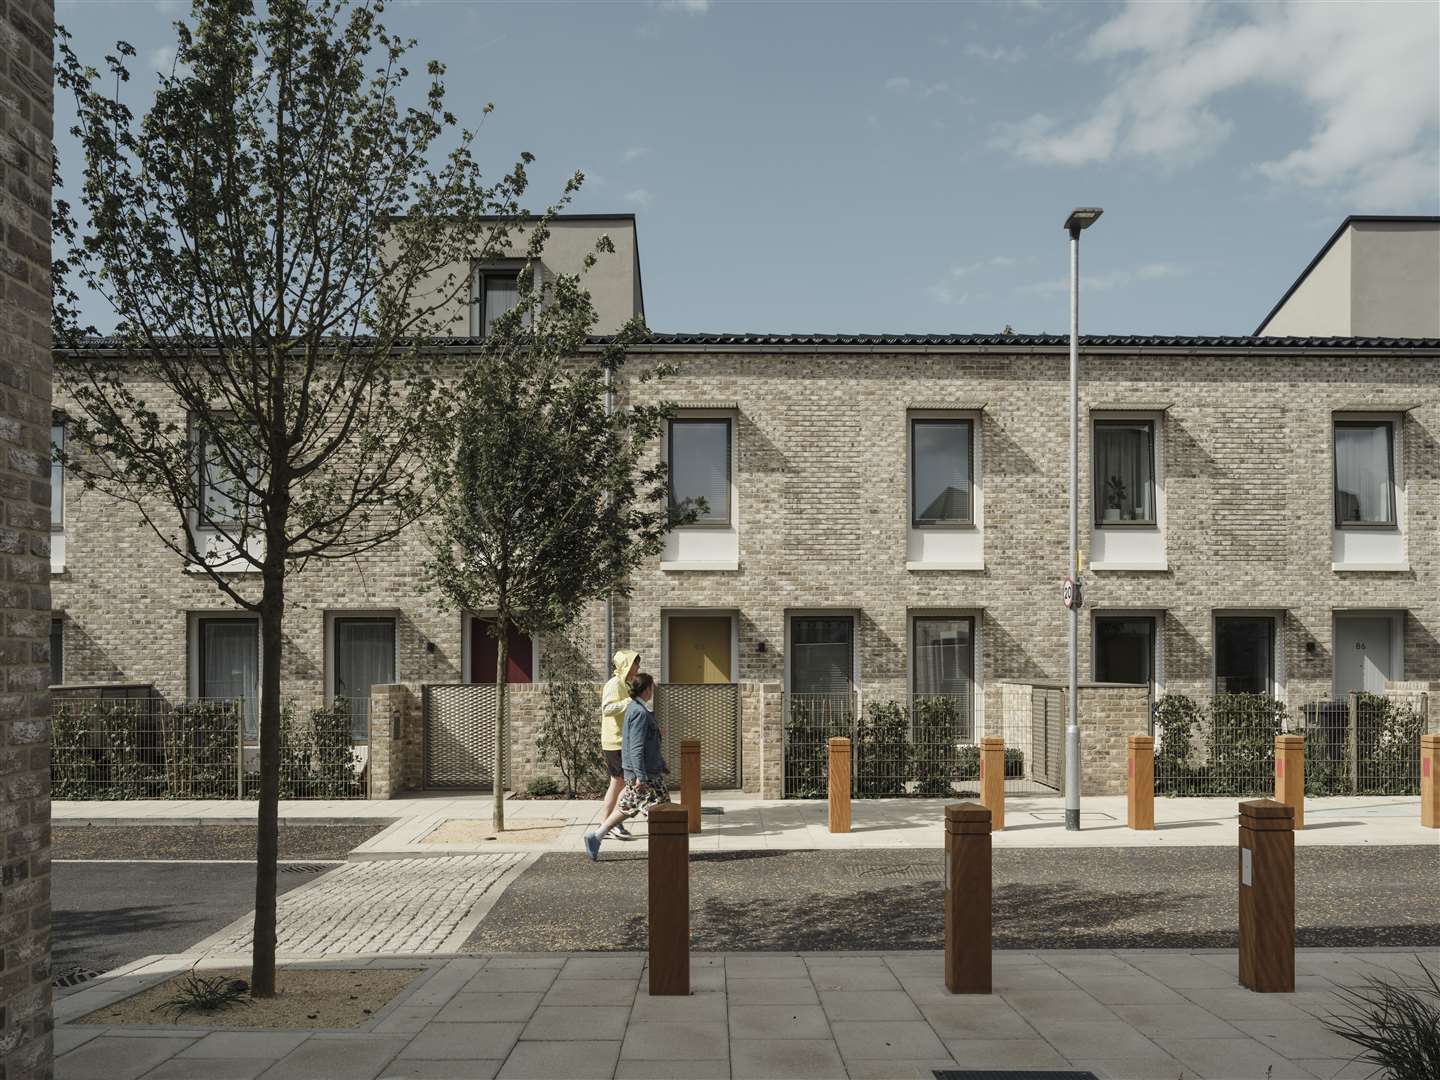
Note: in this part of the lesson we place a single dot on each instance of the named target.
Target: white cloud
(902, 84)
(640, 197)
(995, 53)
(632, 153)
(1110, 280)
(898, 84)
(689, 7)
(161, 59)
(1367, 73)
(949, 290)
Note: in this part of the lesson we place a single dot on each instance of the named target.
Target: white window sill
(720, 565)
(1367, 567)
(1151, 566)
(57, 568)
(944, 566)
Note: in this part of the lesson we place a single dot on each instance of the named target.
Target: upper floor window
(942, 472)
(224, 494)
(1124, 472)
(1364, 472)
(493, 292)
(699, 458)
(57, 475)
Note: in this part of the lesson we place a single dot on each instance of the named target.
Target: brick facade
(822, 479)
(26, 119)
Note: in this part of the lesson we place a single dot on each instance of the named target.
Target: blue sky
(908, 166)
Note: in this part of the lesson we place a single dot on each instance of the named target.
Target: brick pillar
(26, 115)
(388, 705)
(772, 741)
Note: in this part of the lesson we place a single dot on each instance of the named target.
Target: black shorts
(612, 764)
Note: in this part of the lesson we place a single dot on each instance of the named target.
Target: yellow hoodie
(614, 700)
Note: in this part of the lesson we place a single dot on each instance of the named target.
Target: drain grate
(707, 811)
(74, 977)
(305, 867)
(1010, 1074)
(899, 872)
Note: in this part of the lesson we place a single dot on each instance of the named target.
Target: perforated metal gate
(460, 723)
(709, 712)
(1047, 737)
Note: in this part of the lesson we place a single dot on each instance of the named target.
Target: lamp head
(1082, 217)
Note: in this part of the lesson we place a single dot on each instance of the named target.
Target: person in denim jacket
(644, 768)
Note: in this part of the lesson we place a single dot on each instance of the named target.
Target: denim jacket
(640, 744)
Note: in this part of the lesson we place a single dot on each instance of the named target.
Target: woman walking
(644, 767)
(613, 703)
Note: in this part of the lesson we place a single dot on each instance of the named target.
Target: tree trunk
(502, 722)
(267, 842)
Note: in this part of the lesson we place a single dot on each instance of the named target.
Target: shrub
(1387, 735)
(1397, 1024)
(199, 741)
(810, 723)
(199, 993)
(545, 785)
(569, 735)
(880, 750)
(939, 730)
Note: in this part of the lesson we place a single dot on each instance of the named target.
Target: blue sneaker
(592, 846)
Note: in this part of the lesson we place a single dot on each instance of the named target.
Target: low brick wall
(1109, 714)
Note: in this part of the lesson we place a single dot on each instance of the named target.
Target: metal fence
(1365, 744)
(150, 748)
(461, 720)
(811, 721)
(709, 712)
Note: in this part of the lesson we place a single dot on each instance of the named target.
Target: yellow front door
(700, 649)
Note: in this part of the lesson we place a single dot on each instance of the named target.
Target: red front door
(484, 652)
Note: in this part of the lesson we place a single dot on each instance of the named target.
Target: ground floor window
(364, 657)
(485, 653)
(822, 654)
(57, 651)
(1244, 654)
(228, 664)
(944, 668)
(1125, 649)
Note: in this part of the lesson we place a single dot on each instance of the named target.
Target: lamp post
(1080, 218)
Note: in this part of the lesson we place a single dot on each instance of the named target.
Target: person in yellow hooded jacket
(612, 714)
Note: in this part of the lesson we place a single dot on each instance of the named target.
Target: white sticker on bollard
(1245, 867)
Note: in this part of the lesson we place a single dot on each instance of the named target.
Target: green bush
(1396, 1025)
(880, 750)
(810, 724)
(569, 736)
(544, 785)
(939, 730)
(1387, 734)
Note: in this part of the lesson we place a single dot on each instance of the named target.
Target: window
(944, 668)
(228, 663)
(494, 293)
(822, 654)
(1124, 472)
(485, 654)
(699, 461)
(57, 476)
(364, 657)
(57, 652)
(1125, 649)
(1244, 654)
(942, 473)
(1364, 472)
(224, 496)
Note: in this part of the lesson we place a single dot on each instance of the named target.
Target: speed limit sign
(1074, 599)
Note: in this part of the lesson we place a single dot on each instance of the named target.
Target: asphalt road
(108, 913)
(1098, 898)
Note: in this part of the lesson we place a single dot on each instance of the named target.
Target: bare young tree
(279, 234)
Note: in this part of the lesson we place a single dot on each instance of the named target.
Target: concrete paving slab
(703, 1007)
(337, 1059)
(772, 991)
(1233, 1059)
(215, 1069)
(785, 1059)
(462, 1041)
(488, 1007)
(846, 1005)
(778, 1022)
(409, 1069)
(109, 1058)
(245, 1044)
(977, 1017)
(888, 1039)
(563, 1023)
(1005, 1053)
(674, 1040)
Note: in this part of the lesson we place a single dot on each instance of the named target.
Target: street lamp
(1080, 218)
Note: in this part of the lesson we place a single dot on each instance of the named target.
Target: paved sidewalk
(1125, 1015)
(747, 824)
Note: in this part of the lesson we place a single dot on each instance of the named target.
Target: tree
(548, 497)
(277, 236)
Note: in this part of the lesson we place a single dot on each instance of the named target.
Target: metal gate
(460, 723)
(1047, 737)
(709, 712)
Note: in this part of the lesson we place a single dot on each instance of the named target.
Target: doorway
(1366, 653)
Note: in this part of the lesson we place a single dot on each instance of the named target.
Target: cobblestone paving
(381, 906)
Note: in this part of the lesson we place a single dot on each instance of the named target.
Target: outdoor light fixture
(1082, 217)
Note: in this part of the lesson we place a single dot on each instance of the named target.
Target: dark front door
(485, 653)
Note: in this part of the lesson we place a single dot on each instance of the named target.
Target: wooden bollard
(839, 784)
(1290, 774)
(1430, 781)
(967, 898)
(1267, 896)
(992, 779)
(1141, 790)
(690, 780)
(669, 901)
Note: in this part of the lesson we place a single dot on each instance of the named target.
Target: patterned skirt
(633, 801)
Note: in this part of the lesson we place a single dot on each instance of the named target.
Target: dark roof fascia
(528, 218)
(1352, 219)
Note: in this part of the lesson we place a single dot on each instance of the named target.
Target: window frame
(57, 422)
(196, 660)
(478, 273)
(916, 522)
(1336, 423)
(915, 620)
(1097, 499)
(57, 630)
(1272, 688)
(729, 422)
(1127, 616)
(201, 438)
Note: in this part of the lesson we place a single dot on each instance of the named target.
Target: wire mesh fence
(150, 748)
(811, 721)
(1365, 744)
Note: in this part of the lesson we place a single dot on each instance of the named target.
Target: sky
(908, 167)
